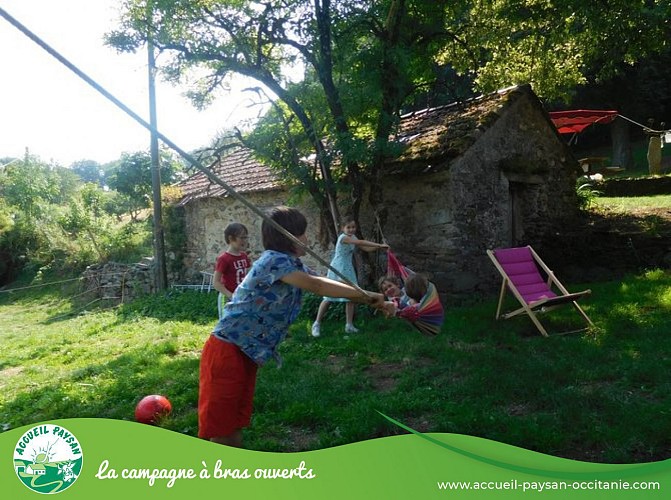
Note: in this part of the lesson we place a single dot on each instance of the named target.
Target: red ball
(152, 408)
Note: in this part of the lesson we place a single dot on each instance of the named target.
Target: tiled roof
(448, 131)
(239, 169)
(426, 137)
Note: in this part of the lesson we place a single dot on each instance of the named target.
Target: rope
(85, 292)
(76, 311)
(39, 286)
(208, 173)
(383, 268)
(648, 129)
(379, 229)
(42, 285)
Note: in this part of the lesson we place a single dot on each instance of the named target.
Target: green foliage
(587, 194)
(93, 199)
(17, 240)
(49, 219)
(554, 45)
(89, 171)
(174, 228)
(359, 68)
(117, 204)
(31, 185)
(365, 61)
(128, 243)
(132, 178)
(280, 142)
(6, 219)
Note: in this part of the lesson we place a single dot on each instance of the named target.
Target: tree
(555, 44)
(89, 171)
(259, 40)
(33, 194)
(638, 91)
(132, 178)
(30, 185)
(365, 60)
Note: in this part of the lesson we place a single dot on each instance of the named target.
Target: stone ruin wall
(520, 153)
(116, 283)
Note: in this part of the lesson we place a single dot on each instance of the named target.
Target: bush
(587, 193)
(174, 226)
(129, 242)
(18, 244)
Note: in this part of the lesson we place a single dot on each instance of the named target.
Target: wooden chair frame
(542, 305)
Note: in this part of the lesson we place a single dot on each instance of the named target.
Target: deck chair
(521, 271)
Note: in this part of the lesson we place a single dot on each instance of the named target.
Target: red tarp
(572, 122)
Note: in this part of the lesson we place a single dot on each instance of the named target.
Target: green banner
(111, 459)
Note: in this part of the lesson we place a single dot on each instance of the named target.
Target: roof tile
(448, 131)
(239, 169)
(426, 136)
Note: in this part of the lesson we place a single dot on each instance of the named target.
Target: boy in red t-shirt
(232, 265)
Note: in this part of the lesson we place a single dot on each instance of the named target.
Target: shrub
(587, 193)
(129, 242)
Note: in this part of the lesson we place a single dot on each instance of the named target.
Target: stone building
(490, 172)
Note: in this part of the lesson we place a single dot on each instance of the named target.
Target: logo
(48, 459)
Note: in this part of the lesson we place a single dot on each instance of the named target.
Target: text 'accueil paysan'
(48, 458)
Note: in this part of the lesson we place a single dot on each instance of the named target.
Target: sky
(48, 109)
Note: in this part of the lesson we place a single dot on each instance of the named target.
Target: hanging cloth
(428, 315)
(575, 121)
(395, 268)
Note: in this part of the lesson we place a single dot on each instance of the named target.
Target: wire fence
(102, 288)
(121, 286)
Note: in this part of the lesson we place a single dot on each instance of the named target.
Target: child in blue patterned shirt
(255, 322)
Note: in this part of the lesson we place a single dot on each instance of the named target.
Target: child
(232, 265)
(416, 286)
(392, 288)
(255, 322)
(342, 262)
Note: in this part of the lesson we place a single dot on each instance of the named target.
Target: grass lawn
(633, 204)
(602, 396)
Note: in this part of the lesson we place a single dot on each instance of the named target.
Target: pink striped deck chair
(521, 271)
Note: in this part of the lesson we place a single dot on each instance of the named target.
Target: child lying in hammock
(416, 299)
(416, 302)
(416, 286)
(392, 288)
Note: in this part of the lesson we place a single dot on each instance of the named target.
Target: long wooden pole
(161, 275)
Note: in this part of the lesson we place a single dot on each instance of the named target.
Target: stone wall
(598, 248)
(117, 283)
(420, 226)
(643, 186)
(514, 186)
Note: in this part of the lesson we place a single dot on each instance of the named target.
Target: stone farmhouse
(491, 172)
